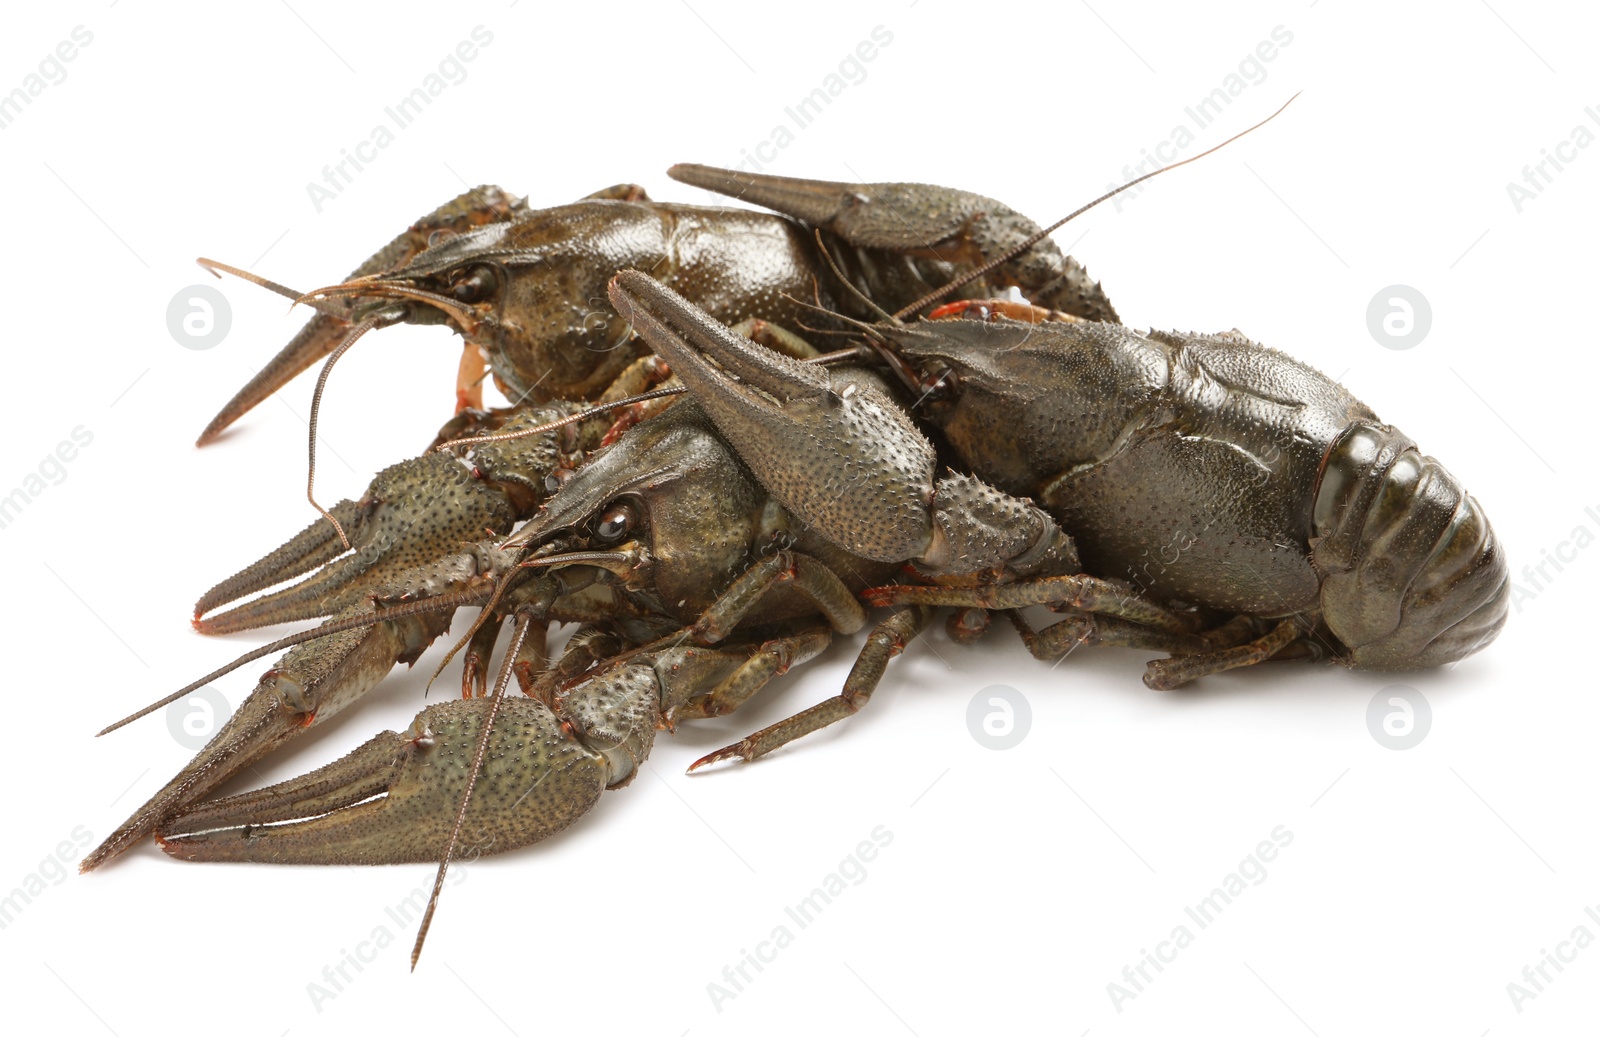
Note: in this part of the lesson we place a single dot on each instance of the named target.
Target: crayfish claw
(924, 220)
(314, 681)
(890, 215)
(394, 800)
(414, 516)
(413, 513)
(315, 545)
(830, 445)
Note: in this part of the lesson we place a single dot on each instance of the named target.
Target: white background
(1018, 884)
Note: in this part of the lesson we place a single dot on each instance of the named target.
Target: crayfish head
(460, 280)
(668, 512)
(531, 295)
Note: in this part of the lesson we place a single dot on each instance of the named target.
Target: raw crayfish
(711, 545)
(512, 281)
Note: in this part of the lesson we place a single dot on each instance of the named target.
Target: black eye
(478, 284)
(616, 522)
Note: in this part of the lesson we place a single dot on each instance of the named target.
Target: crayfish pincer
(1211, 470)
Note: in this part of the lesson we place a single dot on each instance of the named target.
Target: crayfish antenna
(1033, 239)
(485, 615)
(316, 413)
(525, 618)
(333, 626)
(217, 269)
(376, 320)
(570, 419)
(862, 297)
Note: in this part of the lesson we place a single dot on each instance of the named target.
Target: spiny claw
(829, 444)
(413, 514)
(889, 215)
(921, 219)
(311, 683)
(394, 800)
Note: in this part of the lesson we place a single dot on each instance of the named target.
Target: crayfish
(1199, 496)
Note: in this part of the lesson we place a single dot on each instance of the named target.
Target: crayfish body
(1200, 496)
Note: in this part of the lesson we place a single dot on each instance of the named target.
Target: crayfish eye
(616, 522)
(478, 284)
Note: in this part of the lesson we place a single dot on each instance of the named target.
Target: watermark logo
(1399, 717)
(999, 717)
(1537, 577)
(193, 719)
(1552, 963)
(850, 71)
(199, 317)
(451, 71)
(1197, 117)
(52, 71)
(52, 471)
(798, 916)
(1151, 963)
(1536, 176)
(1399, 317)
(53, 870)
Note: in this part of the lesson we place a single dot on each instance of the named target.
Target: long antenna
(332, 626)
(326, 308)
(524, 620)
(1034, 239)
(316, 411)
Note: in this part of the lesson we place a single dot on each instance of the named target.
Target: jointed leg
(469, 378)
(776, 338)
(533, 655)
(1083, 593)
(586, 649)
(475, 661)
(772, 659)
(809, 578)
(1165, 674)
(885, 642)
(1092, 631)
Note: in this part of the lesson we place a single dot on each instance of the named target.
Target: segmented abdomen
(1412, 574)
